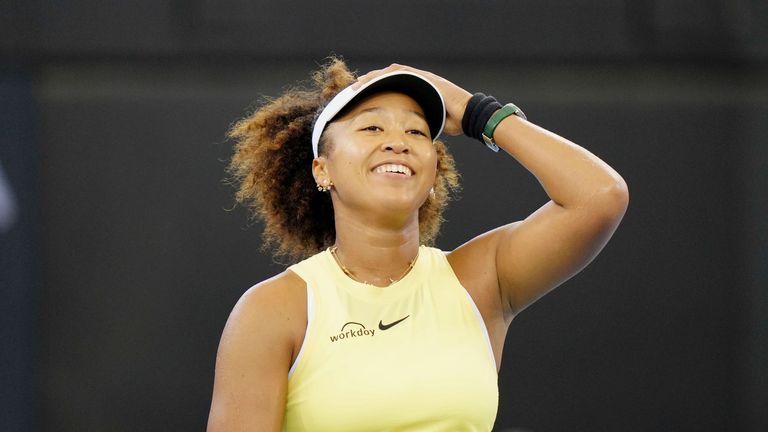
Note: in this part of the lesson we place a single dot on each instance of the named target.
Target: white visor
(422, 91)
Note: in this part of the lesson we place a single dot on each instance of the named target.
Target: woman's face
(380, 155)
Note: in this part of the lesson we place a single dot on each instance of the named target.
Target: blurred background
(122, 252)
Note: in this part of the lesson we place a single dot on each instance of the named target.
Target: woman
(375, 331)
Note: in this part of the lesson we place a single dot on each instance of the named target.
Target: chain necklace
(351, 275)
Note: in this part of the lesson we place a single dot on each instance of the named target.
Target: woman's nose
(397, 143)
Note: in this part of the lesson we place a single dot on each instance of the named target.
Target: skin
(504, 270)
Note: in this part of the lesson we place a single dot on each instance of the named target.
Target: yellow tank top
(414, 356)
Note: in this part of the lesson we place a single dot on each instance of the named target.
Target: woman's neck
(375, 254)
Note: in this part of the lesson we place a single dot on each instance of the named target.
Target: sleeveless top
(414, 356)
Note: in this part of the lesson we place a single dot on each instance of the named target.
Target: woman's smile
(394, 170)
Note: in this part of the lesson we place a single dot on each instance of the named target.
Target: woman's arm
(588, 200)
(255, 353)
(514, 265)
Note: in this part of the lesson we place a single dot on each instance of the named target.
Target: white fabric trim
(481, 321)
(310, 317)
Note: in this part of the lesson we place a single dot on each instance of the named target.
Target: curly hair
(271, 169)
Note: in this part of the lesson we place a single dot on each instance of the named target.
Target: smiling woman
(350, 178)
(272, 164)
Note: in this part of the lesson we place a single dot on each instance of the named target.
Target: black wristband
(479, 110)
(471, 105)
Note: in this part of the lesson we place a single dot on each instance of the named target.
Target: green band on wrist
(490, 127)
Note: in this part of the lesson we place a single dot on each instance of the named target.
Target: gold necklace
(351, 275)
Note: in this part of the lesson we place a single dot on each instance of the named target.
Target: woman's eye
(372, 128)
(417, 132)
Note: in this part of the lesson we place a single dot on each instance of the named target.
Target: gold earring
(432, 192)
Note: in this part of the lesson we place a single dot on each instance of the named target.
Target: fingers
(443, 86)
(455, 97)
(391, 68)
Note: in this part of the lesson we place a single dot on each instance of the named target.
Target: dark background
(125, 253)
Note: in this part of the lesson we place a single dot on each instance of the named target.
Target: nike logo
(383, 326)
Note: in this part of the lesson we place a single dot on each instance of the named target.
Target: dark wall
(122, 110)
(20, 252)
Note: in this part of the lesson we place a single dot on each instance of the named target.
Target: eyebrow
(379, 109)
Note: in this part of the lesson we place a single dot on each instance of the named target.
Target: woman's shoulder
(285, 288)
(279, 302)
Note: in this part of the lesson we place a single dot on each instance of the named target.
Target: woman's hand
(455, 97)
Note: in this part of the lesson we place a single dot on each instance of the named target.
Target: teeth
(393, 168)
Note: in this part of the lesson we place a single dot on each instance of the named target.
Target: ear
(320, 169)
